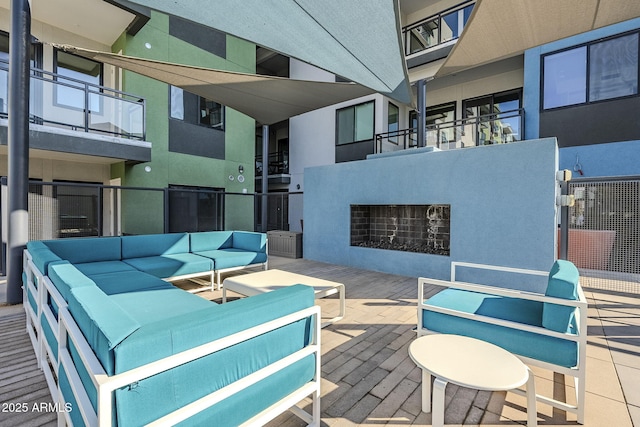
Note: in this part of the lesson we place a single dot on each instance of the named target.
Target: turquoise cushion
(153, 305)
(41, 255)
(67, 393)
(563, 283)
(65, 276)
(154, 244)
(211, 240)
(165, 392)
(248, 241)
(79, 250)
(128, 281)
(229, 258)
(50, 337)
(172, 265)
(102, 322)
(99, 267)
(528, 344)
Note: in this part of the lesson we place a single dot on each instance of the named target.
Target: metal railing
(60, 101)
(436, 29)
(496, 128)
(278, 163)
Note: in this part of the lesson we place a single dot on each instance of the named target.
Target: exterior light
(241, 169)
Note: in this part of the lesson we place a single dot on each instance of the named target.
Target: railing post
(265, 177)
(86, 108)
(165, 199)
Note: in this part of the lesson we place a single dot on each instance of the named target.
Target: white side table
(270, 280)
(471, 363)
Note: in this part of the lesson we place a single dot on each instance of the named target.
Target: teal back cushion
(41, 255)
(154, 244)
(86, 249)
(248, 241)
(66, 276)
(563, 283)
(210, 240)
(102, 322)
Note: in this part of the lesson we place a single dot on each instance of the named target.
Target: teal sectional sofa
(545, 330)
(120, 346)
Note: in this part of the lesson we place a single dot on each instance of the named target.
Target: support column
(265, 177)
(18, 146)
(564, 223)
(421, 85)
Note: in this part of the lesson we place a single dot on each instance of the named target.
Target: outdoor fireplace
(409, 228)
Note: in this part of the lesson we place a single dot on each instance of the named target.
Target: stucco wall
(502, 206)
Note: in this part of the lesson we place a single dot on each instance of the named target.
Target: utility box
(285, 243)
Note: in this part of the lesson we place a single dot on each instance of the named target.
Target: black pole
(265, 177)
(18, 145)
(564, 223)
(422, 112)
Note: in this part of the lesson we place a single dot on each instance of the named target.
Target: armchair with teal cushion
(546, 330)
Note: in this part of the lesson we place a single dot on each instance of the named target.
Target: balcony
(277, 168)
(66, 113)
(488, 129)
(432, 38)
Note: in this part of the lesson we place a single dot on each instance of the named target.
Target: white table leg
(437, 416)
(426, 391)
(532, 411)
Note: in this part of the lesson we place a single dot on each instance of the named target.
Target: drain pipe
(18, 146)
(421, 87)
(265, 177)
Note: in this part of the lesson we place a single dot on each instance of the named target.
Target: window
(393, 121)
(194, 209)
(355, 123)
(495, 118)
(79, 70)
(36, 62)
(598, 71)
(439, 122)
(195, 109)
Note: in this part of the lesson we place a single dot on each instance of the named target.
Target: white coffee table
(270, 280)
(471, 363)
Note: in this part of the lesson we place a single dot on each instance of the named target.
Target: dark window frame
(66, 79)
(222, 127)
(354, 107)
(587, 45)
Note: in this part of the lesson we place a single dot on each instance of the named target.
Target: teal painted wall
(143, 213)
(502, 202)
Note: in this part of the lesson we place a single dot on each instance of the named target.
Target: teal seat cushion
(563, 283)
(50, 337)
(65, 276)
(528, 344)
(249, 241)
(80, 250)
(149, 245)
(41, 255)
(128, 281)
(154, 305)
(229, 258)
(172, 265)
(165, 392)
(102, 322)
(210, 240)
(99, 267)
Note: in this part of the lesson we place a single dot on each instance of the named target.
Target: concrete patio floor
(368, 378)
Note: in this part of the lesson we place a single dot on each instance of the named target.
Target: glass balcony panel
(115, 116)
(4, 91)
(450, 26)
(424, 36)
(45, 108)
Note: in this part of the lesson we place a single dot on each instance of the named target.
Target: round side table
(468, 362)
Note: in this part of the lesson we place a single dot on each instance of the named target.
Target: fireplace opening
(409, 228)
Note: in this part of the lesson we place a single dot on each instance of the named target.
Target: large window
(195, 109)
(355, 123)
(70, 92)
(598, 71)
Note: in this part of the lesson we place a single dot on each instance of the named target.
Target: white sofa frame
(577, 372)
(64, 327)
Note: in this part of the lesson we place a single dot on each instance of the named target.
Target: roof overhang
(499, 29)
(266, 99)
(358, 40)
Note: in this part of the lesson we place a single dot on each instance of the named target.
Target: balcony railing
(496, 128)
(436, 29)
(60, 101)
(278, 164)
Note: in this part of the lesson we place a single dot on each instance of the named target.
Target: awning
(266, 99)
(358, 40)
(504, 28)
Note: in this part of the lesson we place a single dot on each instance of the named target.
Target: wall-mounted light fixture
(240, 169)
(147, 45)
(147, 168)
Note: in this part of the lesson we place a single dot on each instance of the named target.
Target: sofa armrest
(580, 304)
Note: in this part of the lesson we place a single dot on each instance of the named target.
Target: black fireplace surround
(410, 228)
